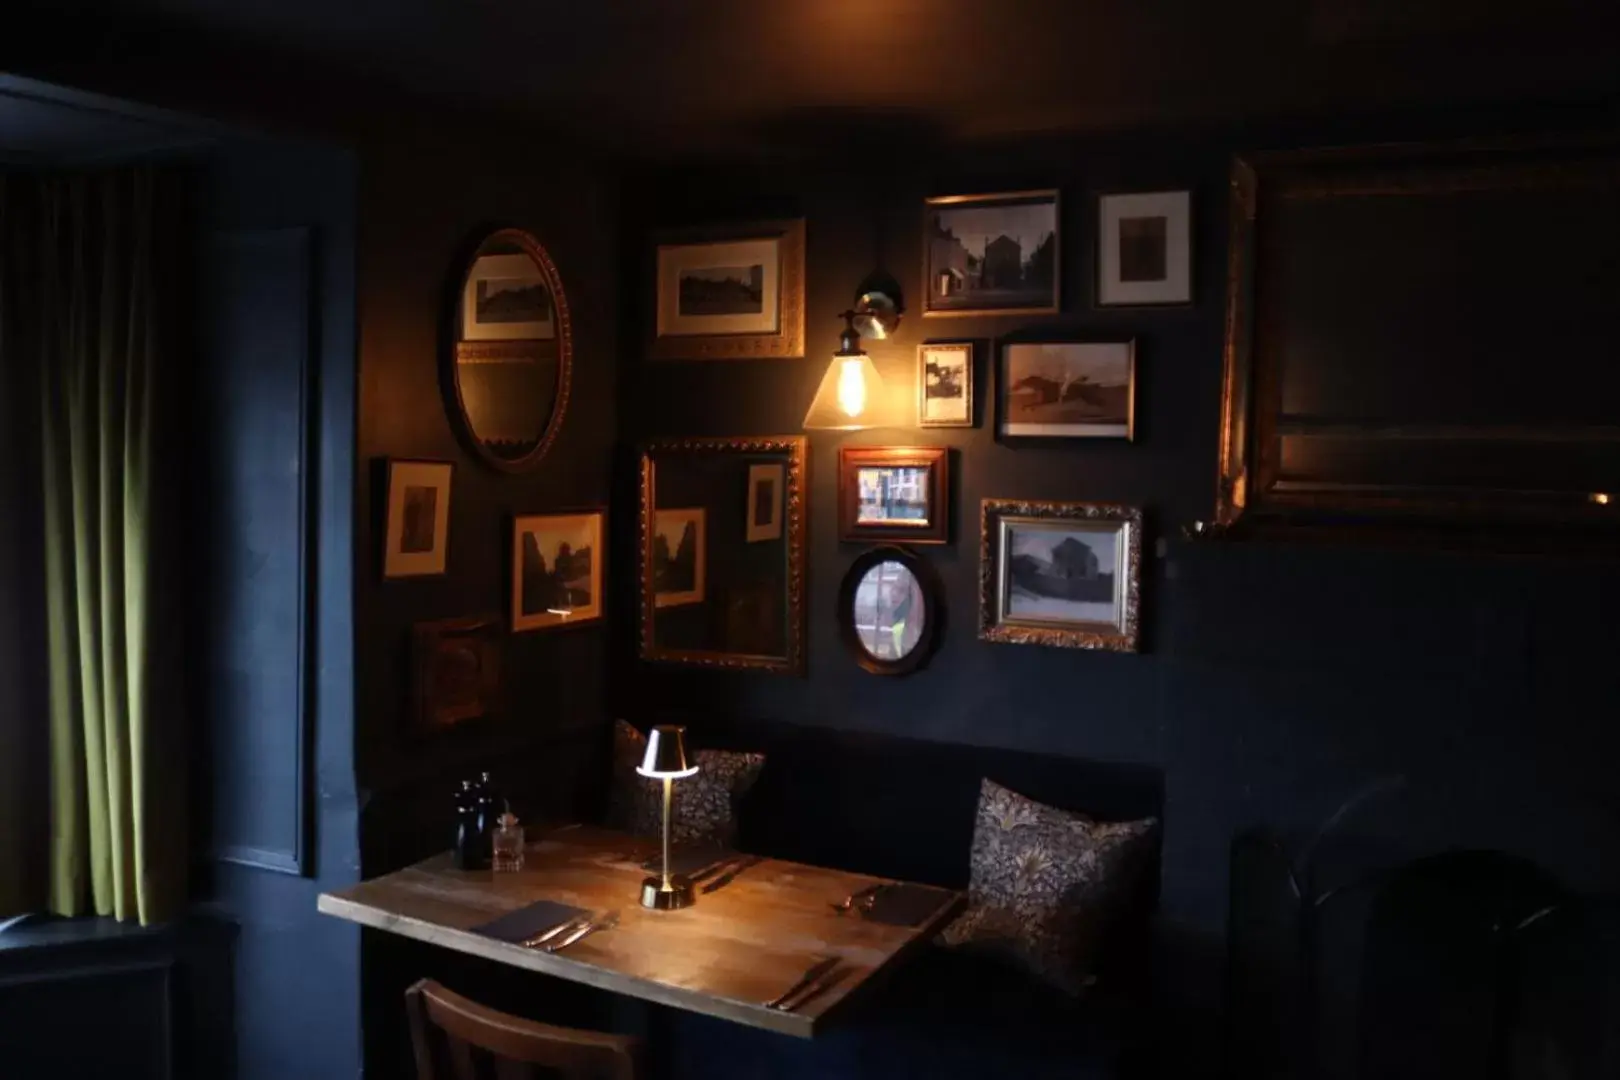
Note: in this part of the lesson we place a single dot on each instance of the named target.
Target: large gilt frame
(993, 575)
(793, 501)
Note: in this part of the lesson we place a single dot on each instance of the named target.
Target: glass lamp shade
(849, 397)
(666, 754)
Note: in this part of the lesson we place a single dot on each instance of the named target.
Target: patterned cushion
(1044, 883)
(705, 810)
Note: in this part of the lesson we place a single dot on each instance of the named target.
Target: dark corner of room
(815, 540)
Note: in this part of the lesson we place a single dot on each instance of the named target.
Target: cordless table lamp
(666, 760)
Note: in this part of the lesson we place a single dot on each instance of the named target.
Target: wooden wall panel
(254, 402)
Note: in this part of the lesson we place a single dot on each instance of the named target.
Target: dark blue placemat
(905, 905)
(687, 861)
(524, 923)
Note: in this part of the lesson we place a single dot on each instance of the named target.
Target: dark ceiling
(654, 77)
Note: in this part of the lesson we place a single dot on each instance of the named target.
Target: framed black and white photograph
(992, 254)
(945, 385)
(506, 298)
(895, 493)
(1063, 574)
(765, 502)
(556, 570)
(416, 534)
(732, 292)
(679, 556)
(1144, 248)
(1067, 390)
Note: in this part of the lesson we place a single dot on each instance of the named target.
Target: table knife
(818, 971)
(731, 873)
(546, 935)
(717, 867)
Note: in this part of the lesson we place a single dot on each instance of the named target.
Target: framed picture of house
(992, 254)
(1064, 574)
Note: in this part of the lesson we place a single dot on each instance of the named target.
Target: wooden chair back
(458, 1039)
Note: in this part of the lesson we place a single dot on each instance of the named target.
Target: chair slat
(512, 1041)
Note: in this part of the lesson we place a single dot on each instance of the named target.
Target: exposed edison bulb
(851, 387)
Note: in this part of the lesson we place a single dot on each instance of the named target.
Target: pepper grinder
(468, 846)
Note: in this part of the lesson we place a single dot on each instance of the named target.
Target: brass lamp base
(661, 897)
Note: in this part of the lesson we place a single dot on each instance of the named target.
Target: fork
(865, 898)
(590, 926)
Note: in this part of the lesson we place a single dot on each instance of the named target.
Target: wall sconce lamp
(851, 393)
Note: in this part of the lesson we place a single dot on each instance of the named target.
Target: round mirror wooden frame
(453, 344)
(933, 611)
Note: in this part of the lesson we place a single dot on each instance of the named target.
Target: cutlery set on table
(567, 932)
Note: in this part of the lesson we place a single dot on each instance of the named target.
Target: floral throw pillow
(1044, 884)
(704, 805)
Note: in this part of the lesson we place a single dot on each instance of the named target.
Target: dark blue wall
(297, 972)
(1275, 682)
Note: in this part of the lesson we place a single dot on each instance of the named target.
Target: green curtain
(93, 264)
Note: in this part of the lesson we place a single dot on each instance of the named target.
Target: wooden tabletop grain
(734, 950)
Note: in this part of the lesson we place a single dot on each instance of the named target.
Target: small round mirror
(512, 351)
(888, 611)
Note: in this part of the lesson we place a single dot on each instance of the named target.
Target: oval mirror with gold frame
(511, 351)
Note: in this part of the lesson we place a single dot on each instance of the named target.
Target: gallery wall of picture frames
(1065, 574)
(1057, 574)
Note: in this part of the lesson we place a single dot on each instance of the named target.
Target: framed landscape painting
(992, 254)
(556, 570)
(945, 385)
(680, 556)
(506, 298)
(729, 293)
(1068, 390)
(1064, 574)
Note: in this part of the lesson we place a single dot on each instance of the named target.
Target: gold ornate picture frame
(728, 292)
(1060, 573)
(791, 453)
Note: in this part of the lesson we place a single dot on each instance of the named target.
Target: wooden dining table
(744, 942)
